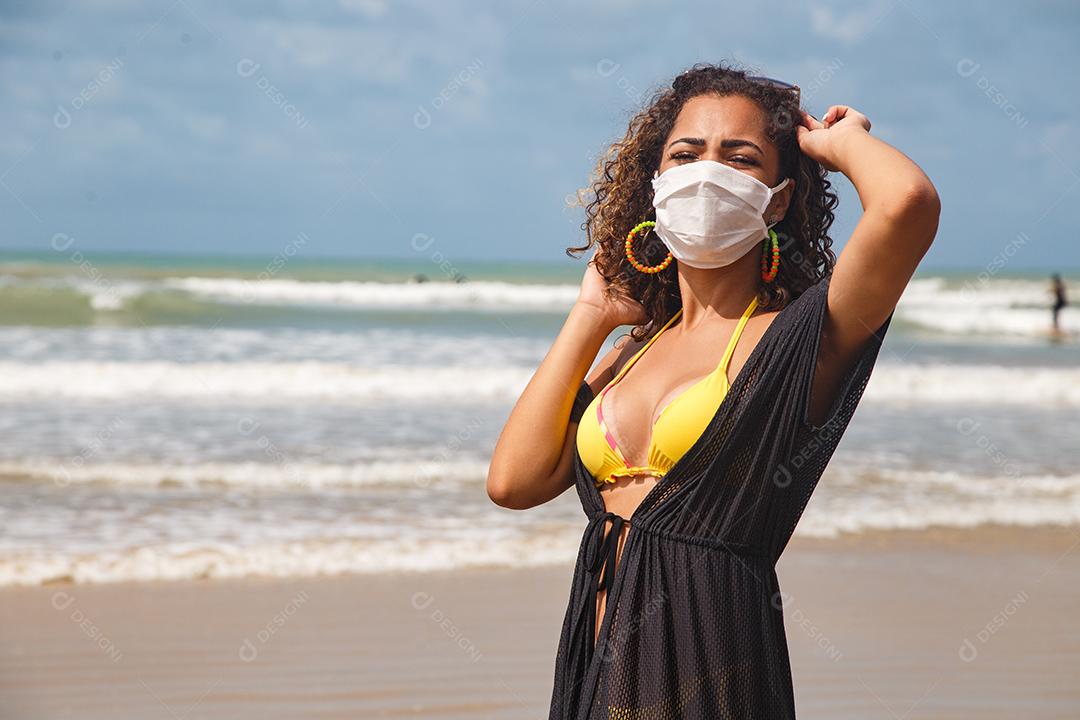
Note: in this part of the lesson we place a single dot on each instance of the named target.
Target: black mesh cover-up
(693, 621)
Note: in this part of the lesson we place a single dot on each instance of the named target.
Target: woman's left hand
(820, 138)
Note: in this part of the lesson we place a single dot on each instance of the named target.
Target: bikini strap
(730, 350)
(642, 349)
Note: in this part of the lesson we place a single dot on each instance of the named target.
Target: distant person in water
(1060, 300)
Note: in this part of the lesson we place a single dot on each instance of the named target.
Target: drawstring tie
(606, 553)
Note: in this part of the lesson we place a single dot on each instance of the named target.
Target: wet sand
(973, 624)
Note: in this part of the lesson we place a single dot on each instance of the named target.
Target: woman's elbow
(917, 210)
(515, 491)
(924, 200)
(499, 491)
(505, 493)
(928, 211)
(917, 198)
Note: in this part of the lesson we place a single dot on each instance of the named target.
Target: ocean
(201, 417)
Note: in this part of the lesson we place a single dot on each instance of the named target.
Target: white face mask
(709, 214)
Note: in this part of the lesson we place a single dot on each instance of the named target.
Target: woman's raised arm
(531, 461)
(899, 222)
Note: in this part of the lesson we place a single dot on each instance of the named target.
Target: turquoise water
(434, 266)
(430, 264)
(122, 289)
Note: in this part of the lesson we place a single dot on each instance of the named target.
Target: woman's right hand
(615, 312)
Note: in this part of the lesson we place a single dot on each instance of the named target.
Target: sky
(373, 128)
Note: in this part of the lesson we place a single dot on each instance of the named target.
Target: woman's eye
(741, 159)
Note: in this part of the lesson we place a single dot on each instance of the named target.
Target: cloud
(852, 26)
(205, 126)
(368, 8)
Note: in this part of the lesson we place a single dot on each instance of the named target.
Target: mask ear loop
(778, 188)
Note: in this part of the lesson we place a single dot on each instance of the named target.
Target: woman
(694, 467)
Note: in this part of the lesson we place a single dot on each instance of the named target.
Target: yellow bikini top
(676, 429)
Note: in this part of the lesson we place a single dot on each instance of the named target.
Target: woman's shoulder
(813, 296)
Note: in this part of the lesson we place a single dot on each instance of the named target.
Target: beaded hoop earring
(770, 257)
(630, 253)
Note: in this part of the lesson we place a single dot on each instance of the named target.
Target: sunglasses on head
(681, 79)
(775, 83)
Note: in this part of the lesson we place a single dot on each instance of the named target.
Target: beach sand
(959, 624)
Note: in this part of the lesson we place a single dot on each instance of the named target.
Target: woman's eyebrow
(688, 141)
(729, 143)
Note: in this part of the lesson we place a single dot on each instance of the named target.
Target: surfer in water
(1060, 301)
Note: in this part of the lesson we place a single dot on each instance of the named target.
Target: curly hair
(619, 196)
